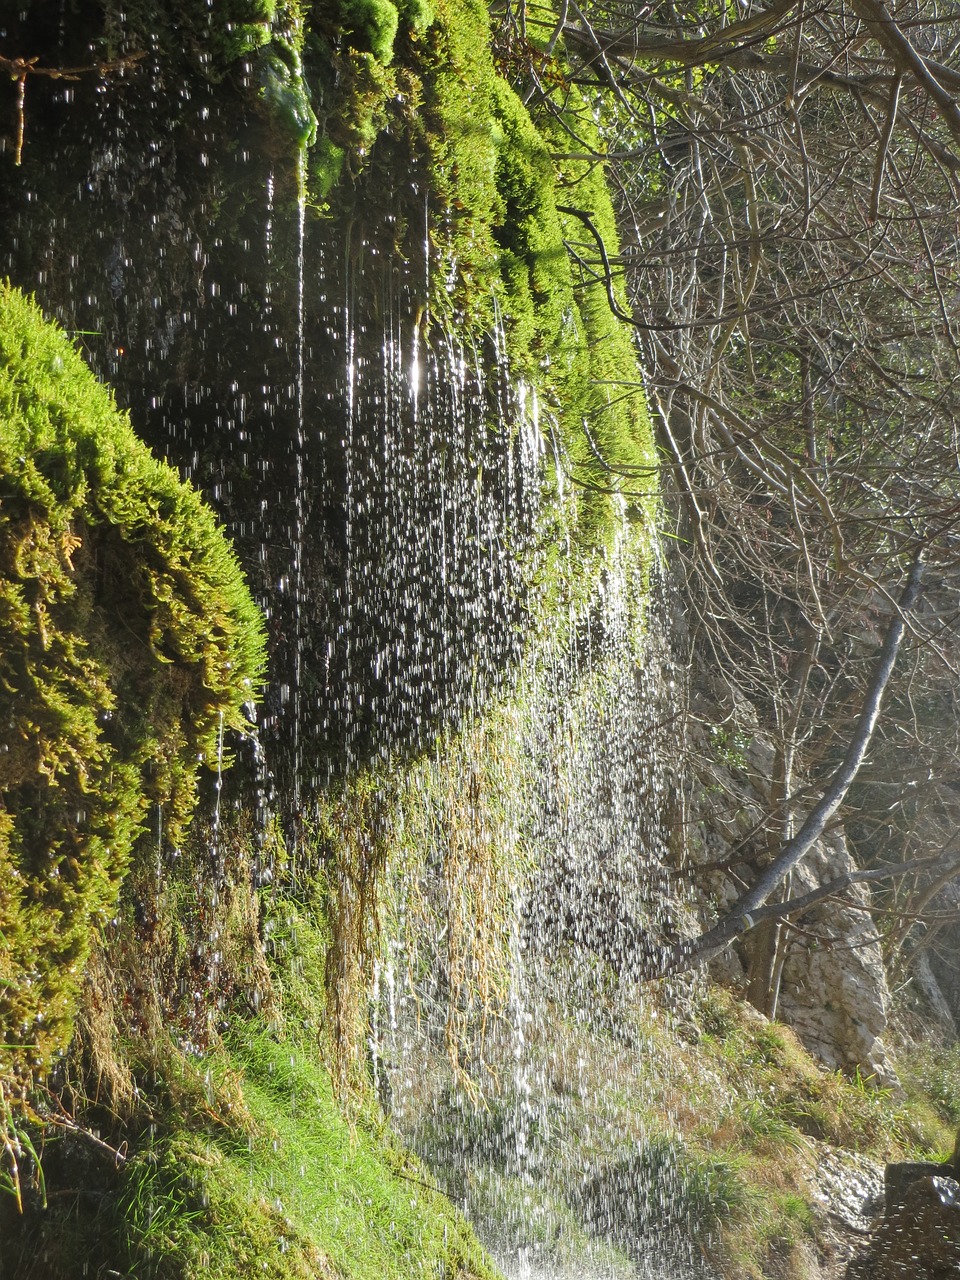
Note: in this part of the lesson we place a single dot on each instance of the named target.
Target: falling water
(300, 488)
(540, 1132)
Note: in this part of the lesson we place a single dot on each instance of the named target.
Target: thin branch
(883, 149)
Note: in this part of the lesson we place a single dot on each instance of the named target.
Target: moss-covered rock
(128, 646)
(499, 173)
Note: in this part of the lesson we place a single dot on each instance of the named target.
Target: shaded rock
(919, 1239)
(899, 1180)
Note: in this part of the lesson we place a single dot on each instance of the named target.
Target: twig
(20, 68)
(117, 1154)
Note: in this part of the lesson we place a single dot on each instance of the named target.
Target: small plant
(935, 1071)
(729, 746)
(716, 1014)
(766, 1127)
(16, 1151)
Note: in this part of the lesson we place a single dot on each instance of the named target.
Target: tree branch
(794, 906)
(882, 25)
(688, 53)
(747, 910)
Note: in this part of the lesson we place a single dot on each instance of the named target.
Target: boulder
(919, 1237)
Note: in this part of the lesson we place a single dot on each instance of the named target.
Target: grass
(239, 1161)
(295, 1190)
(934, 1070)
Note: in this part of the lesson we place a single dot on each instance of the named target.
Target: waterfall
(530, 1130)
(401, 504)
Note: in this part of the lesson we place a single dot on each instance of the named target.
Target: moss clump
(371, 26)
(128, 645)
(285, 91)
(606, 421)
(211, 37)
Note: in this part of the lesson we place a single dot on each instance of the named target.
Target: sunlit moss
(496, 175)
(128, 645)
(371, 26)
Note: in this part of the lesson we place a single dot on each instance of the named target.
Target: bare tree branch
(746, 911)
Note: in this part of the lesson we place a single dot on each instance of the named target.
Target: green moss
(533, 260)
(241, 27)
(494, 172)
(325, 167)
(239, 1159)
(285, 91)
(128, 645)
(607, 423)
(371, 26)
(211, 38)
(336, 75)
(418, 14)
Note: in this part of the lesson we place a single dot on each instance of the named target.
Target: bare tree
(788, 184)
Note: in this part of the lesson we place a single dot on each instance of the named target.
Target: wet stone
(919, 1236)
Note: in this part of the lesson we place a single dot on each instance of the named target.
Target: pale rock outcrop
(834, 989)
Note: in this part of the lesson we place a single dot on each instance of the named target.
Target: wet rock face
(368, 471)
(919, 1236)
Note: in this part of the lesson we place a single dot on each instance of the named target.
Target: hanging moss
(495, 173)
(606, 421)
(336, 77)
(128, 644)
(211, 37)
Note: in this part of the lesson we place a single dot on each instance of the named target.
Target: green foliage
(664, 1190)
(241, 27)
(325, 167)
(937, 1070)
(370, 26)
(418, 14)
(605, 416)
(931, 1078)
(728, 747)
(128, 645)
(237, 1156)
(716, 1013)
(532, 259)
